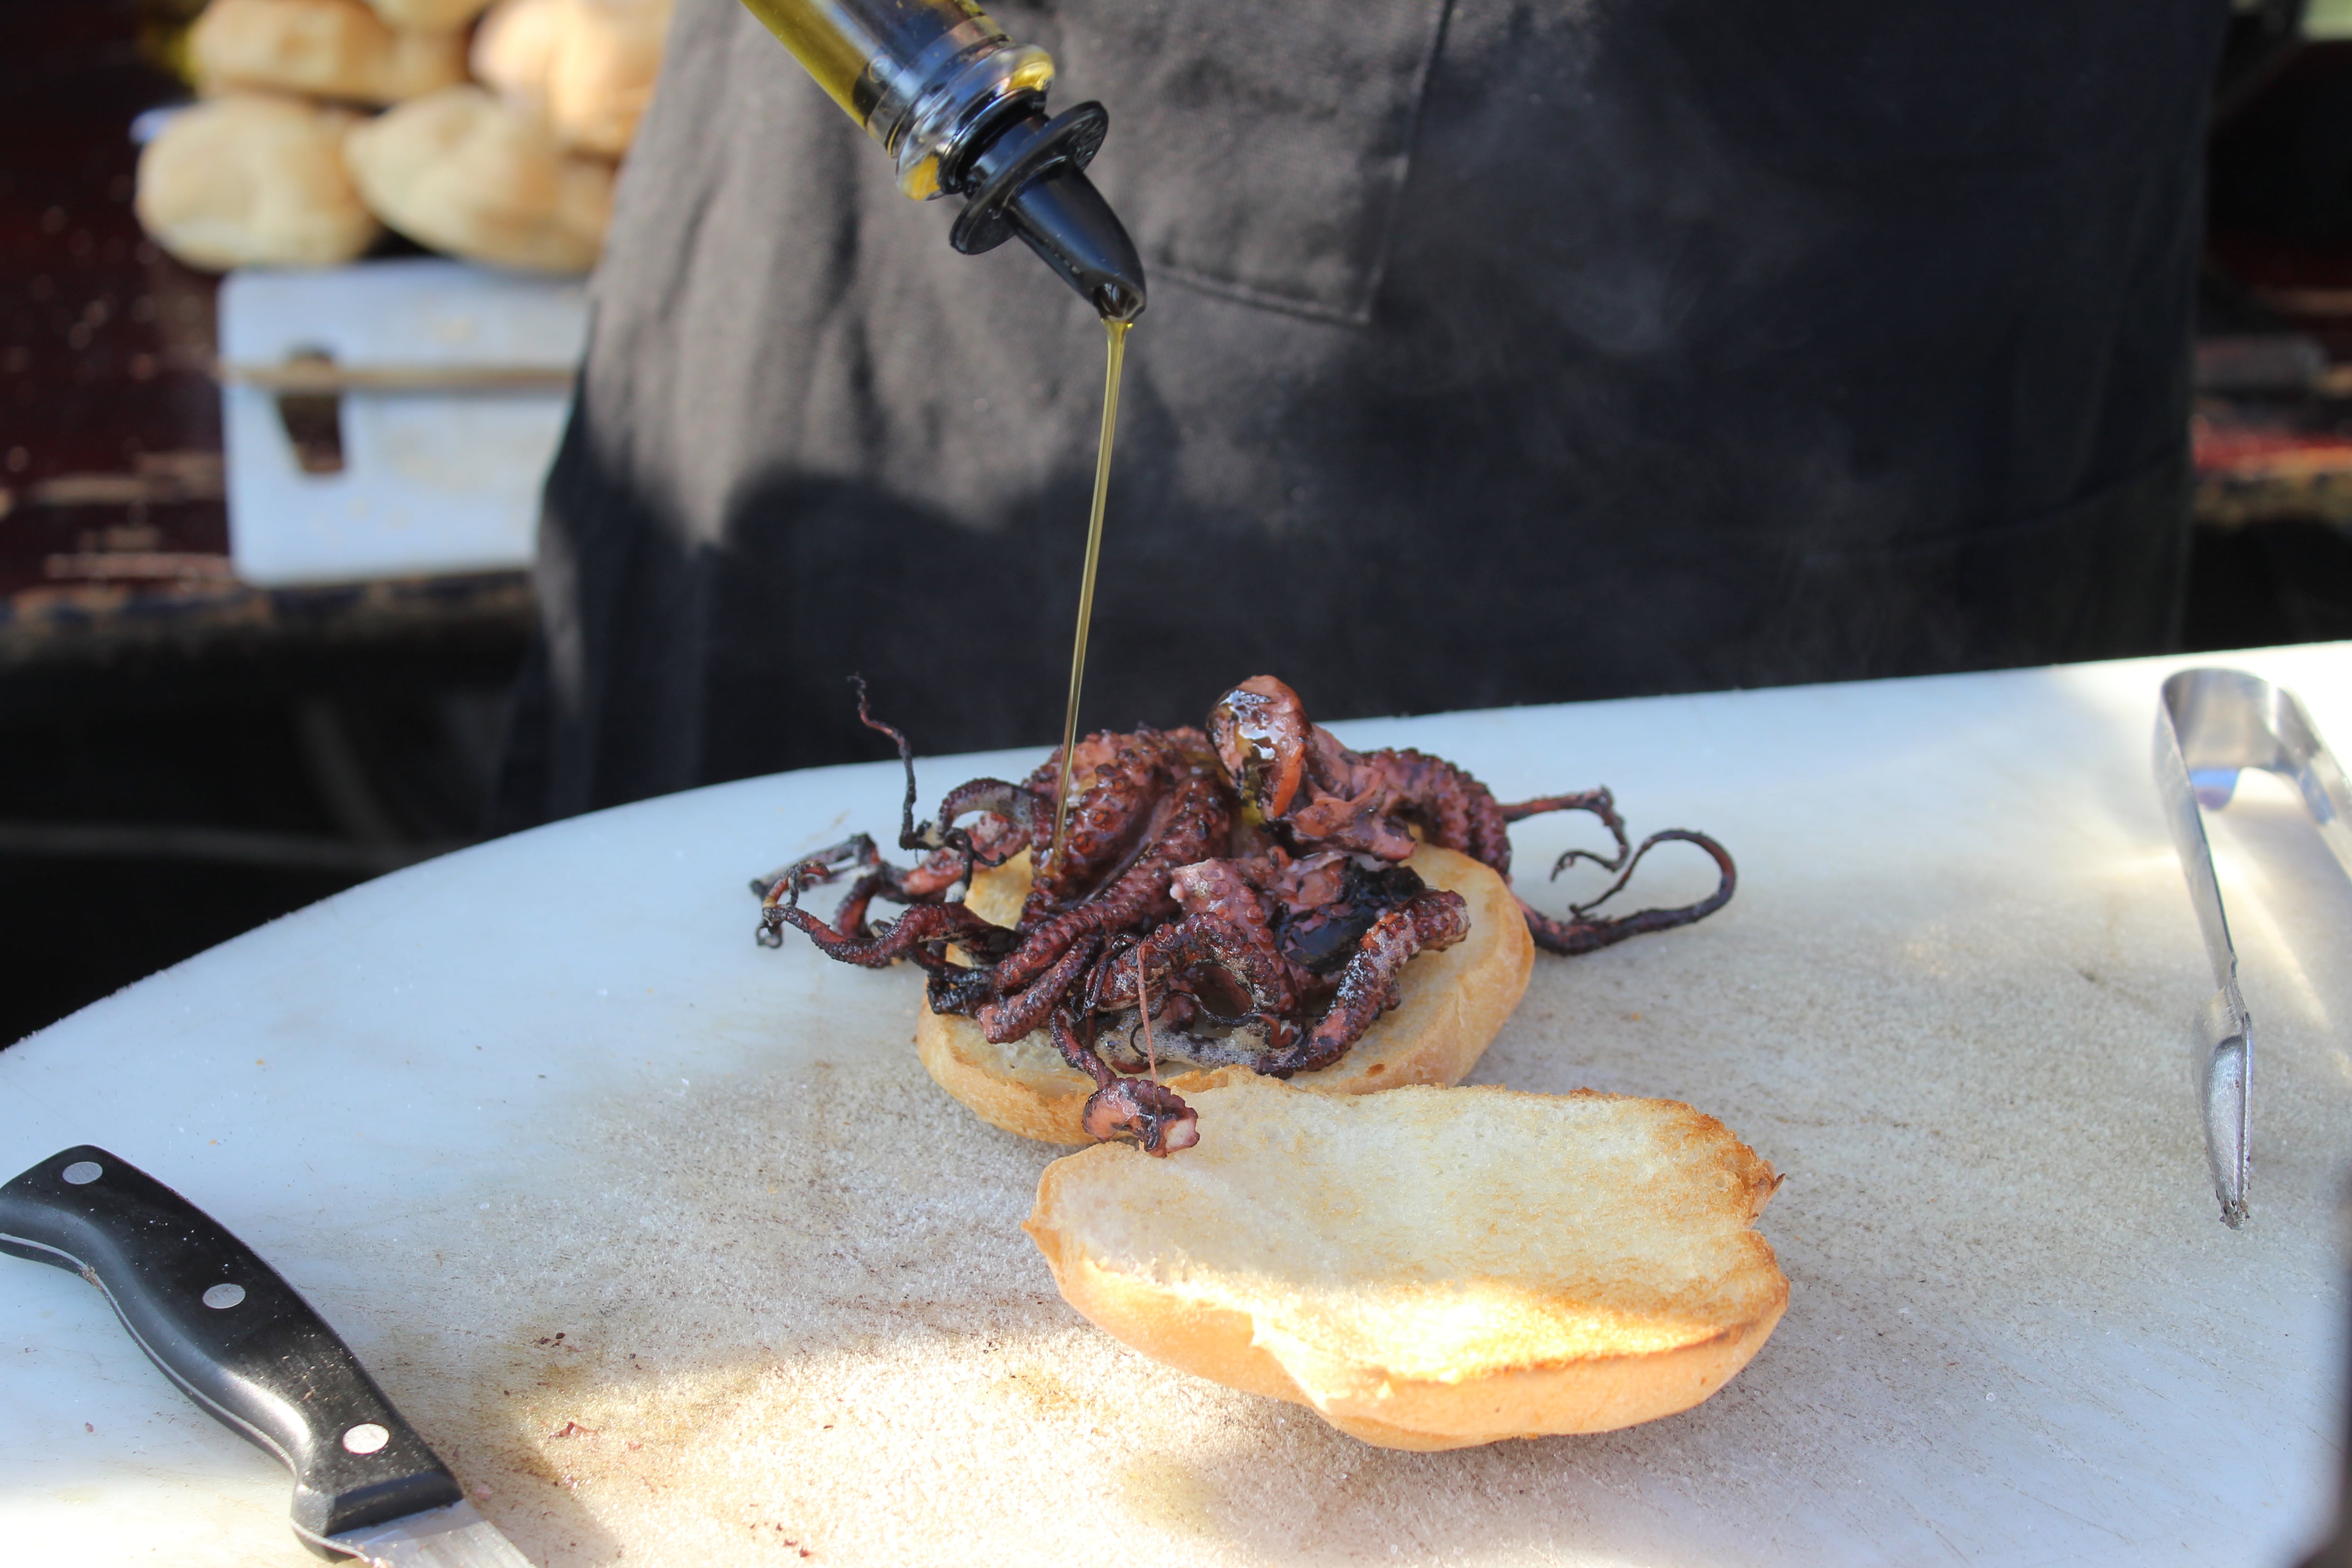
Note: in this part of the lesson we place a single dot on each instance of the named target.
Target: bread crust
(329, 48)
(1648, 1298)
(468, 173)
(586, 66)
(250, 180)
(1454, 1002)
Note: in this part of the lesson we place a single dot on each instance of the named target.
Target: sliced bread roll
(1431, 1269)
(253, 180)
(586, 66)
(327, 49)
(465, 173)
(1454, 1002)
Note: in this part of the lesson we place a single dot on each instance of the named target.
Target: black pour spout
(1030, 180)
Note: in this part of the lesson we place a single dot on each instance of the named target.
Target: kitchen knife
(243, 1345)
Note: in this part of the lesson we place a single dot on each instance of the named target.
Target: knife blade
(242, 1343)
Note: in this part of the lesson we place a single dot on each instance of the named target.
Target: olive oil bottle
(918, 75)
(961, 109)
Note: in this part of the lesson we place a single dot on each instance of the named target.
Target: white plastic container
(437, 476)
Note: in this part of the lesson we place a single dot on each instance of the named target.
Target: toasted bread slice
(1431, 1269)
(1454, 1002)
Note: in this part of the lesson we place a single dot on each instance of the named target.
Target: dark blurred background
(183, 756)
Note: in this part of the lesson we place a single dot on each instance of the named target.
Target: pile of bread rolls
(485, 130)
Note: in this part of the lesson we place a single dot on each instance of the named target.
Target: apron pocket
(1257, 152)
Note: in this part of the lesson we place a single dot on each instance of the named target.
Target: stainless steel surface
(452, 1537)
(2210, 725)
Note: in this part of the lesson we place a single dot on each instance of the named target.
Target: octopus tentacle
(948, 860)
(1153, 1114)
(909, 838)
(1600, 802)
(1454, 809)
(1207, 941)
(927, 883)
(1015, 1012)
(932, 876)
(1017, 805)
(1077, 1048)
(849, 920)
(1581, 935)
(859, 849)
(784, 885)
(1182, 831)
(907, 937)
(1109, 825)
(1367, 986)
(1224, 886)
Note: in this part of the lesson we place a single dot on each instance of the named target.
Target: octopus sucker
(1245, 882)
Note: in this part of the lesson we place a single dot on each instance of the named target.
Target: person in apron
(1497, 353)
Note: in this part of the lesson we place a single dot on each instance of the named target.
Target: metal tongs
(2211, 724)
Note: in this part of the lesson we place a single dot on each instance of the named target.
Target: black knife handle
(234, 1336)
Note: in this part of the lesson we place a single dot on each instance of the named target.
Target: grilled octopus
(1238, 895)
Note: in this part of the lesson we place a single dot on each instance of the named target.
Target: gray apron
(1497, 353)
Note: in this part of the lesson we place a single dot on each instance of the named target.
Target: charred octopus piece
(1183, 827)
(1013, 1013)
(927, 927)
(1244, 887)
(1012, 818)
(1367, 986)
(1124, 811)
(1153, 1114)
(1368, 802)
(1260, 731)
(1233, 963)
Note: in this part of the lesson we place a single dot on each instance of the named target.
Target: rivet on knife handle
(235, 1336)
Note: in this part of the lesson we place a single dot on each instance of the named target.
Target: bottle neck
(961, 109)
(930, 114)
(920, 75)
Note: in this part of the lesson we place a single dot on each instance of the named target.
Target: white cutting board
(431, 482)
(550, 1087)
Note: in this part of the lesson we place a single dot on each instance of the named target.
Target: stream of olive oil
(1117, 358)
